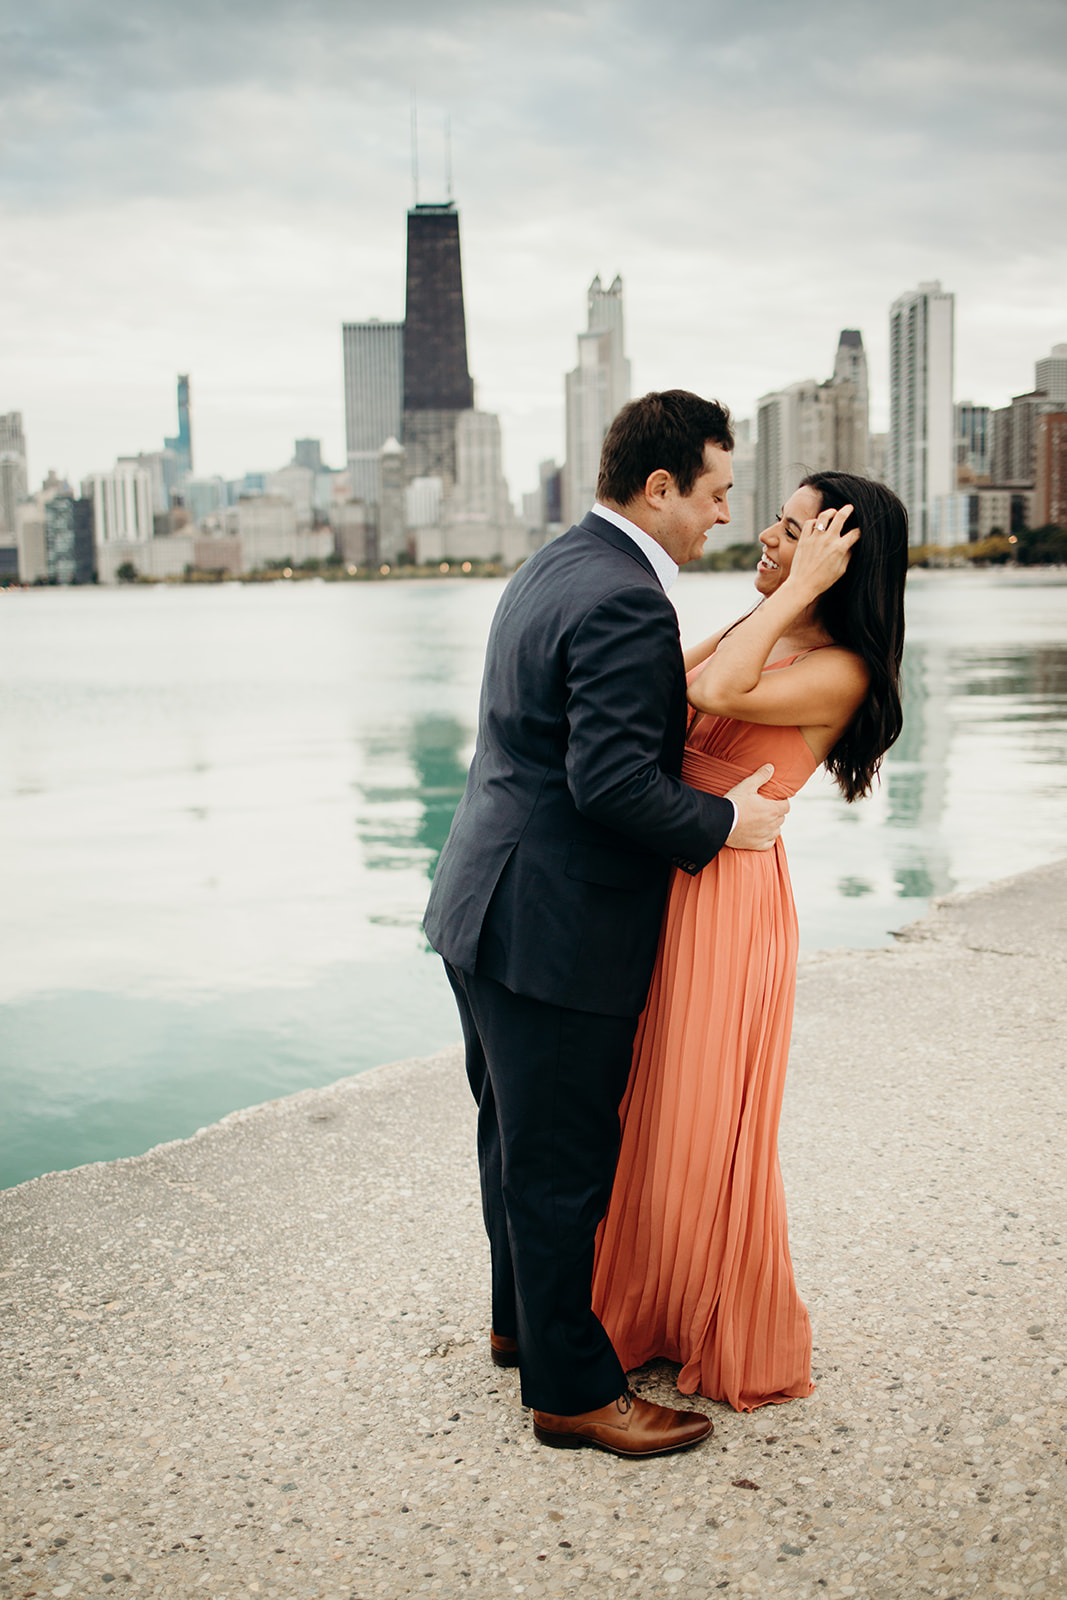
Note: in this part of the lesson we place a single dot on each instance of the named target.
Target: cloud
(217, 187)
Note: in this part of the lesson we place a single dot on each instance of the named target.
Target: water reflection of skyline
(949, 694)
(404, 824)
(217, 869)
(1012, 701)
(916, 774)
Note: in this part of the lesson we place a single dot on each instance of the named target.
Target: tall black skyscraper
(437, 384)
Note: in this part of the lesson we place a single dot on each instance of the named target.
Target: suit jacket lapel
(612, 535)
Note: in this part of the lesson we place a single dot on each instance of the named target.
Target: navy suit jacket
(554, 874)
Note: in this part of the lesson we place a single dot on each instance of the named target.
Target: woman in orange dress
(693, 1255)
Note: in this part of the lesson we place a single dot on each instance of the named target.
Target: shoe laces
(625, 1401)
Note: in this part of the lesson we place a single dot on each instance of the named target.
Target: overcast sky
(213, 187)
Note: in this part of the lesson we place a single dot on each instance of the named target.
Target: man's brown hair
(667, 430)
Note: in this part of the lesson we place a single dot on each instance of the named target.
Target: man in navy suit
(547, 900)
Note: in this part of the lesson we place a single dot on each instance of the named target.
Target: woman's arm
(700, 652)
(822, 690)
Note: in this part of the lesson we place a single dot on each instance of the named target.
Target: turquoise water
(220, 808)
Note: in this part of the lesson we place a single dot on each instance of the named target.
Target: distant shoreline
(1035, 574)
(209, 580)
(1025, 575)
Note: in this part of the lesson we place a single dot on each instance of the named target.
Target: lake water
(220, 808)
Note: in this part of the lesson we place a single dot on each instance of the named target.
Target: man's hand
(759, 819)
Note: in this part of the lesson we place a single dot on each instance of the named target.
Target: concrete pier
(254, 1363)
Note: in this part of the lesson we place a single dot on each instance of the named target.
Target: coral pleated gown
(692, 1258)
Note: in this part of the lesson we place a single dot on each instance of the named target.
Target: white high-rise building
(14, 483)
(741, 528)
(297, 485)
(812, 427)
(30, 533)
(477, 511)
(122, 503)
(777, 471)
(921, 461)
(595, 391)
(481, 489)
(392, 477)
(474, 515)
(12, 437)
(794, 433)
(422, 503)
(165, 471)
(1050, 375)
(374, 398)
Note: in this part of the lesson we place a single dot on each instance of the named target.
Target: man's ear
(657, 486)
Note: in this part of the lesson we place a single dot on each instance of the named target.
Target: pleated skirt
(692, 1259)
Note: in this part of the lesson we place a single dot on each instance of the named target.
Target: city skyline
(238, 189)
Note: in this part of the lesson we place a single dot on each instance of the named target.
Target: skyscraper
(12, 437)
(478, 514)
(921, 456)
(182, 443)
(392, 538)
(851, 406)
(811, 427)
(437, 383)
(122, 503)
(741, 528)
(166, 475)
(780, 460)
(973, 431)
(13, 479)
(411, 422)
(1050, 496)
(595, 391)
(1050, 374)
(374, 396)
(1013, 449)
(68, 527)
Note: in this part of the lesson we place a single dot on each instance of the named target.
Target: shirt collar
(665, 569)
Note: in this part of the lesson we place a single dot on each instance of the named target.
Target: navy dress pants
(548, 1082)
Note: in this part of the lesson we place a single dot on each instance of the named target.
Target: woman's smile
(779, 540)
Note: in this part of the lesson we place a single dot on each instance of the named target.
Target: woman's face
(779, 541)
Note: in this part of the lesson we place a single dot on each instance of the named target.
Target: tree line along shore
(1030, 547)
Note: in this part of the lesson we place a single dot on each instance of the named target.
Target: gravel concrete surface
(254, 1363)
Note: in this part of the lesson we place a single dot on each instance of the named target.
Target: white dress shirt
(665, 569)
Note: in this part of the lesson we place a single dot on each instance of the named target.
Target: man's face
(684, 521)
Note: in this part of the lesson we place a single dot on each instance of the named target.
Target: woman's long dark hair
(864, 611)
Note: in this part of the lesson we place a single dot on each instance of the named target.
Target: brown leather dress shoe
(628, 1426)
(504, 1351)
